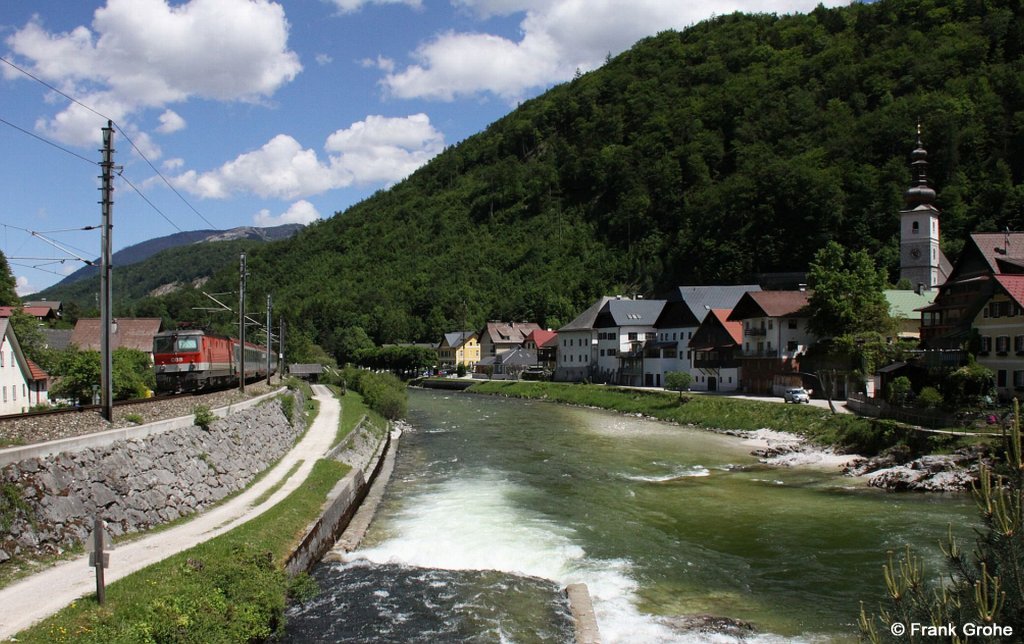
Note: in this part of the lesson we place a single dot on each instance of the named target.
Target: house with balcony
(544, 343)
(459, 347)
(716, 345)
(775, 336)
(946, 323)
(23, 384)
(624, 329)
(686, 308)
(1000, 325)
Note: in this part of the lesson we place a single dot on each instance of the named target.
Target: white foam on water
(688, 472)
(474, 523)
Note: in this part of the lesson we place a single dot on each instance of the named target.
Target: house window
(5, 393)
(1001, 378)
(771, 324)
(1018, 343)
(14, 392)
(915, 227)
(1002, 344)
(1018, 378)
(612, 353)
(1, 358)
(791, 324)
(602, 353)
(791, 345)
(632, 336)
(986, 344)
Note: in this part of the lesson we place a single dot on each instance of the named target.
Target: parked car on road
(797, 395)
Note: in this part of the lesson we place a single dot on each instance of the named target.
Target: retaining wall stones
(137, 483)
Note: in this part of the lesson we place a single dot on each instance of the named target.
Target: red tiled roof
(771, 304)
(509, 332)
(1014, 287)
(542, 337)
(735, 328)
(36, 372)
(37, 311)
(131, 333)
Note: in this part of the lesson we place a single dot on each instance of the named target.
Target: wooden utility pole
(241, 323)
(107, 205)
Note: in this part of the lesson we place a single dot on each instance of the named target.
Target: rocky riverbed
(891, 470)
(39, 429)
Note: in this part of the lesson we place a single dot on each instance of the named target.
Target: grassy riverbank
(847, 432)
(229, 589)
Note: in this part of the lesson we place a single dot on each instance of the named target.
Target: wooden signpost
(97, 545)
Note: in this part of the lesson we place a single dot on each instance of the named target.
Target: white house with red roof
(1000, 323)
(23, 384)
(716, 347)
(775, 336)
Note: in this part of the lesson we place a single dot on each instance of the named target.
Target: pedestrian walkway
(39, 596)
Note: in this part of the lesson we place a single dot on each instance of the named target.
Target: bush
(898, 391)
(204, 417)
(460, 370)
(984, 585)
(288, 408)
(383, 392)
(929, 398)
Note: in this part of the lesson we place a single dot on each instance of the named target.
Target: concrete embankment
(366, 453)
(583, 614)
(443, 383)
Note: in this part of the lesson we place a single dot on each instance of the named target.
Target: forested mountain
(738, 146)
(144, 250)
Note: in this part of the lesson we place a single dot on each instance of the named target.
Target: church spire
(919, 193)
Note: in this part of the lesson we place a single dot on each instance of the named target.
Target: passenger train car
(189, 360)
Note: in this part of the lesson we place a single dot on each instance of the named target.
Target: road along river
(495, 504)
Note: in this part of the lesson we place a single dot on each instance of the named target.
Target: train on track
(192, 360)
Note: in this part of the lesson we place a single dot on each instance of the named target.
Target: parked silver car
(798, 395)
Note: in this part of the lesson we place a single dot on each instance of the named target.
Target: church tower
(920, 255)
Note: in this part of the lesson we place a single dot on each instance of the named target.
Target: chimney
(920, 288)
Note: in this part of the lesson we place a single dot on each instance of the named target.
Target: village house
(544, 343)
(458, 348)
(129, 333)
(623, 327)
(42, 313)
(23, 384)
(577, 345)
(1000, 325)
(57, 307)
(775, 336)
(716, 345)
(904, 309)
(499, 337)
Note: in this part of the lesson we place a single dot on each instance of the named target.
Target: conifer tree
(8, 285)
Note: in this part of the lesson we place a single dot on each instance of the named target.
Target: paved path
(34, 598)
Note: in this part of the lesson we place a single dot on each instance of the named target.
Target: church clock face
(915, 253)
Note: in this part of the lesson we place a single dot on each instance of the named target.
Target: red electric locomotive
(189, 360)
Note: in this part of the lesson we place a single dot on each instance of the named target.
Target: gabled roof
(457, 338)
(542, 337)
(620, 313)
(53, 305)
(585, 321)
(1013, 285)
(509, 332)
(905, 304)
(131, 333)
(699, 300)
(717, 331)
(999, 246)
(35, 311)
(771, 304)
(30, 370)
(57, 339)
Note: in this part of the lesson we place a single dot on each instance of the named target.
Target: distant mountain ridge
(144, 250)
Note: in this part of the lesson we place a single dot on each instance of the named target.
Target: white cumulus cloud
(376, 150)
(558, 37)
(300, 212)
(350, 6)
(141, 54)
(22, 286)
(170, 121)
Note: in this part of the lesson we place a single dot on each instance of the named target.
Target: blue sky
(262, 113)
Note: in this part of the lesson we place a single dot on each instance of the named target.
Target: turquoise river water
(496, 504)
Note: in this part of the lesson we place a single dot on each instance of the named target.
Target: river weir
(681, 535)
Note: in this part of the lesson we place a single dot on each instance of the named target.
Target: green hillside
(736, 147)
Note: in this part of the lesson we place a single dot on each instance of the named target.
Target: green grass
(847, 432)
(277, 486)
(229, 589)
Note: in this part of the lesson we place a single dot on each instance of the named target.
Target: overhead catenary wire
(119, 129)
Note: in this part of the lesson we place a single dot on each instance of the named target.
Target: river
(495, 504)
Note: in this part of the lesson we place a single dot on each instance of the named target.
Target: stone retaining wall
(138, 483)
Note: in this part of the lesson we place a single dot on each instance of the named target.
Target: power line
(146, 199)
(123, 133)
(47, 141)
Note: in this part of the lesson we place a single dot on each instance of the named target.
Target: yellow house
(460, 347)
